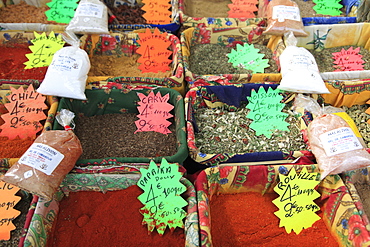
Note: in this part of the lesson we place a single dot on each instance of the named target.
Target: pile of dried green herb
(212, 59)
(222, 131)
(325, 61)
(357, 113)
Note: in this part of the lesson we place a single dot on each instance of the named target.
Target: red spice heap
(111, 219)
(247, 219)
(12, 67)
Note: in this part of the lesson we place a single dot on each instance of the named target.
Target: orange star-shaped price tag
(25, 111)
(8, 200)
(243, 8)
(154, 51)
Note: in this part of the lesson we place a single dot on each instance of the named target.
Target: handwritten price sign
(242, 8)
(265, 111)
(61, 11)
(157, 11)
(153, 112)
(348, 60)
(328, 7)
(154, 51)
(25, 111)
(295, 201)
(247, 57)
(8, 200)
(162, 196)
(43, 50)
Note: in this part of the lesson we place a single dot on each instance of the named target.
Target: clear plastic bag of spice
(42, 168)
(299, 69)
(334, 143)
(284, 16)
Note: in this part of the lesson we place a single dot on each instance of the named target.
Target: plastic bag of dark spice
(333, 141)
(42, 168)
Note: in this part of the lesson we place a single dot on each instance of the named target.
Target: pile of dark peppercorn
(112, 135)
(126, 14)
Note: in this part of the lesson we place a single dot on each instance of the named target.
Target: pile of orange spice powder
(247, 219)
(112, 219)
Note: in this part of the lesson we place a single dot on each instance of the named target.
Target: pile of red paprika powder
(112, 219)
(12, 63)
(247, 219)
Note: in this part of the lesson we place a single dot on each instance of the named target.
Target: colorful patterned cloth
(340, 210)
(360, 176)
(47, 212)
(109, 101)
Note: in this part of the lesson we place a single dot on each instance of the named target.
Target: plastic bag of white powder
(67, 74)
(299, 69)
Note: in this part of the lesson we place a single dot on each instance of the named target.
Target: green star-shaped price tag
(162, 197)
(61, 11)
(265, 111)
(295, 201)
(248, 58)
(328, 7)
(43, 50)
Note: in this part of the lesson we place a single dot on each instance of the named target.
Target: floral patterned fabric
(46, 212)
(360, 176)
(228, 37)
(340, 211)
(347, 92)
(106, 101)
(126, 44)
(227, 96)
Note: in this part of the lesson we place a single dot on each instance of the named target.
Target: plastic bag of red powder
(333, 142)
(284, 16)
(42, 168)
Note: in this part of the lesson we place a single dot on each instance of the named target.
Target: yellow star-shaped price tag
(295, 201)
(43, 50)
